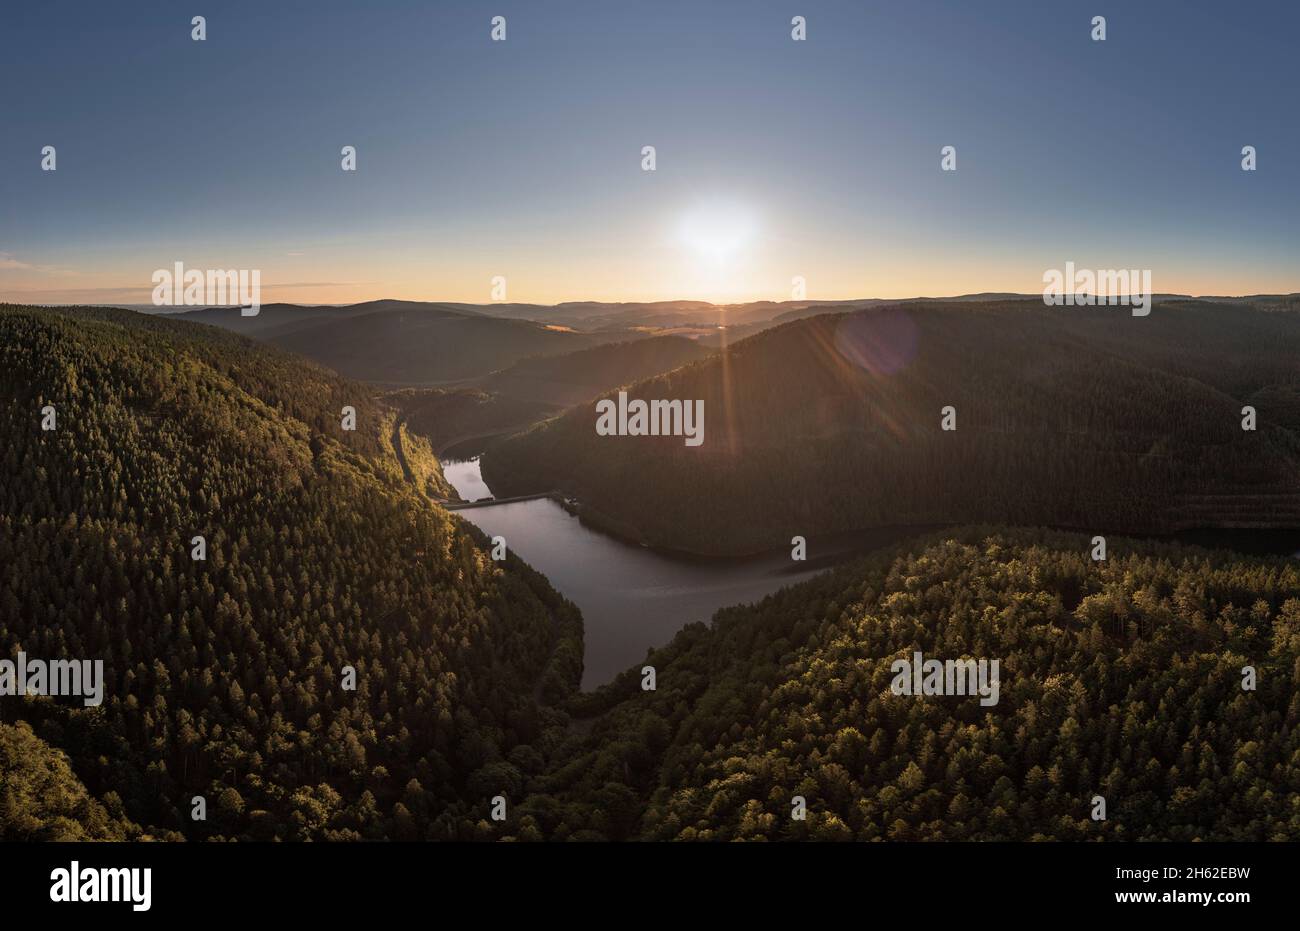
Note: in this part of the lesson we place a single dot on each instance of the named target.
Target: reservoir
(631, 597)
(464, 476)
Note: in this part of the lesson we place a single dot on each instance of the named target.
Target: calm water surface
(465, 478)
(631, 597)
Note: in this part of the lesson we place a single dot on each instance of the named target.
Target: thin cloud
(149, 289)
(7, 261)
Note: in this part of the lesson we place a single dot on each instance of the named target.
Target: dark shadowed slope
(270, 318)
(535, 388)
(401, 342)
(1079, 417)
(582, 375)
(425, 345)
(446, 416)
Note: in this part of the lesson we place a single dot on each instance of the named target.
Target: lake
(632, 598)
(464, 476)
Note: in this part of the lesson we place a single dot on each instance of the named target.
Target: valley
(524, 678)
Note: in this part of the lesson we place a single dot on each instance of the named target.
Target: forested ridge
(535, 388)
(410, 343)
(1072, 417)
(582, 375)
(446, 415)
(1120, 678)
(224, 677)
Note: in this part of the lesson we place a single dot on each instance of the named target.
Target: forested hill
(536, 388)
(224, 677)
(403, 342)
(1075, 417)
(1121, 679)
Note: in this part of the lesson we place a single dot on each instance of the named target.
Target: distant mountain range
(402, 346)
(402, 342)
(662, 314)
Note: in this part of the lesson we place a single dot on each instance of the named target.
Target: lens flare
(882, 343)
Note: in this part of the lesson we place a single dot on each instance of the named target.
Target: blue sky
(523, 158)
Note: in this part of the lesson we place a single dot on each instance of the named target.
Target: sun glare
(717, 231)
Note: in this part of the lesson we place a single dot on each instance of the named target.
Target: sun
(718, 230)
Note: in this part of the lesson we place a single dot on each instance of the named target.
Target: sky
(775, 159)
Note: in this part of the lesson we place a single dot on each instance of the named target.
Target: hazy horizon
(149, 307)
